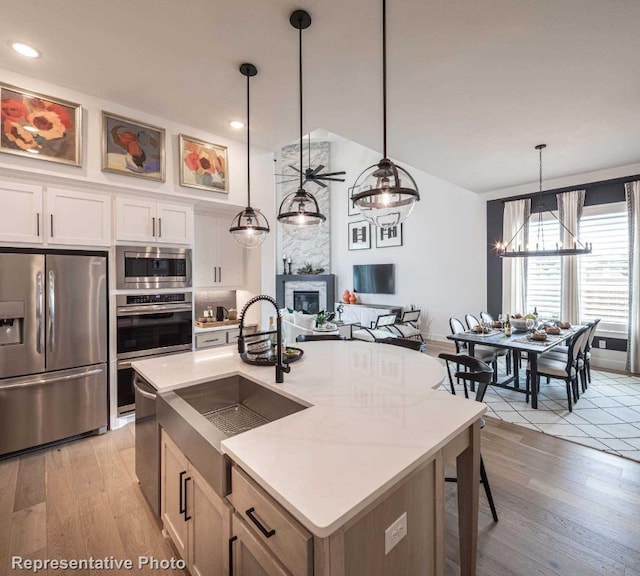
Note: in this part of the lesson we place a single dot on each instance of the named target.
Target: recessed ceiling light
(237, 124)
(25, 50)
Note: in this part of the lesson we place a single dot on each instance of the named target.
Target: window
(604, 274)
(544, 274)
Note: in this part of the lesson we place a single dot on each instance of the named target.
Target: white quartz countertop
(224, 327)
(373, 417)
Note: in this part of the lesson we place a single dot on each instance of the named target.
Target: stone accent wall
(299, 244)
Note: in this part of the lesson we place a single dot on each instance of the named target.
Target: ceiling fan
(314, 175)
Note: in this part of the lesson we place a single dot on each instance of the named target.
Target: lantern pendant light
(575, 247)
(249, 228)
(385, 193)
(300, 208)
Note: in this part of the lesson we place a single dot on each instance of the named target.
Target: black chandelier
(300, 208)
(385, 193)
(510, 250)
(249, 228)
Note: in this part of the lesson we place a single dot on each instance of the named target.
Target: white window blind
(544, 273)
(604, 274)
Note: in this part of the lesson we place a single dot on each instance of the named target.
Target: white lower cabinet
(195, 517)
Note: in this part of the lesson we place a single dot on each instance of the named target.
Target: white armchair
(295, 323)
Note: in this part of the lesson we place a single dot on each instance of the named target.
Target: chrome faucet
(280, 367)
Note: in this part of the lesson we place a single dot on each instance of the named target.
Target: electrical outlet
(396, 532)
(602, 343)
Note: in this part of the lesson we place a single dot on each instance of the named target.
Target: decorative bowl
(518, 324)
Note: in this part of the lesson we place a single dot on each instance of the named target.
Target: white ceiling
(474, 85)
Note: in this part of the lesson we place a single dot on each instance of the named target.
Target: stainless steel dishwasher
(147, 443)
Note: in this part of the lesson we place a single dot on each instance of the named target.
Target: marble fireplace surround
(325, 284)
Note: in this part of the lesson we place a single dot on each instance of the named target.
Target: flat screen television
(374, 278)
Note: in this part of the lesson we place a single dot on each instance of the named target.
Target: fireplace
(306, 301)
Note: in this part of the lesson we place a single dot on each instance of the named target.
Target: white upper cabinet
(78, 218)
(140, 220)
(21, 214)
(218, 260)
(62, 218)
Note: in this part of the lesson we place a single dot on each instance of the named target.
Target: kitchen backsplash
(213, 298)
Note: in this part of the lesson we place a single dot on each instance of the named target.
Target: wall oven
(149, 325)
(150, 268)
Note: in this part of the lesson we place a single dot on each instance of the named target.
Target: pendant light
(249, 228)
(300, 208)
(575, 247)
(385, 193)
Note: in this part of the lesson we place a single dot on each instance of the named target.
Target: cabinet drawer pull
(231, 541)
(265, 532)
(183, 507)
(186, 506)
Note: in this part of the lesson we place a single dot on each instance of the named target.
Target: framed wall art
(203, 165)
(38, 126)
(351, 208)
(133, 148)
(388, 237)
(359, 235)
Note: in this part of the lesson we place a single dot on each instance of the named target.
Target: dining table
(517, 342)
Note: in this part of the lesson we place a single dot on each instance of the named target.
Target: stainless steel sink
(198, 418)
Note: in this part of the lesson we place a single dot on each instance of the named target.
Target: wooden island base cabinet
(257, 537)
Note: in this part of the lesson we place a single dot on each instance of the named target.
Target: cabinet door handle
(38, 224)
(153, 226)
(219, 273)
(215, 273)
(231, 541)
(183, 507)
(186, 506)
(51, 225)
(265, 532)
(159, 227)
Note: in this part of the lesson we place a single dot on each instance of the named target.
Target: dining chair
(471, 321)
(479, 373)
(405, 343)
(587, 356)
(407, 327)
(486, 317)
(316, 337)
(566, 369)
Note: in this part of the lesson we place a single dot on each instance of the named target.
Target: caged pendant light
(249, 228)
(300, 208)
(576, 247)
(385, 193)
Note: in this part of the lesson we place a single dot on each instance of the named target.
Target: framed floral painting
(133, 148)
(39, 126)
(203, 165)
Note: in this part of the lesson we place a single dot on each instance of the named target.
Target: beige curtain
(570, 205)
(514, 225)
(633, 344)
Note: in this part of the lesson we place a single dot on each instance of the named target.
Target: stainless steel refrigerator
(53, 346)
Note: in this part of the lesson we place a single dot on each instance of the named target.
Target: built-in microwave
(141, 267)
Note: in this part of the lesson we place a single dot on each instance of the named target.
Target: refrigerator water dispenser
(11, 323)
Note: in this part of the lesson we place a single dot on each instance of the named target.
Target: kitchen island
(370, 446)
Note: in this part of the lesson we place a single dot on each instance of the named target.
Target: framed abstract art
(203, 165)
(132, 148)
(38, 126)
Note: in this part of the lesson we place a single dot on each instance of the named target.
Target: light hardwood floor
(565, 509)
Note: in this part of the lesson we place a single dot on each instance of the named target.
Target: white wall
(441, 267)
(91, 170)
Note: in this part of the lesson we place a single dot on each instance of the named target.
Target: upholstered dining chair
(479, 373)
(565, 368)
(471, 321)
(587, 356)
(317, 337)
(485, 318)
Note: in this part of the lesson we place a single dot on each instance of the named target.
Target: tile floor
(607, 415)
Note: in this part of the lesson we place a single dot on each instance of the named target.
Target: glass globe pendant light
(300, 208)
(385, 193)
(249, 228)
